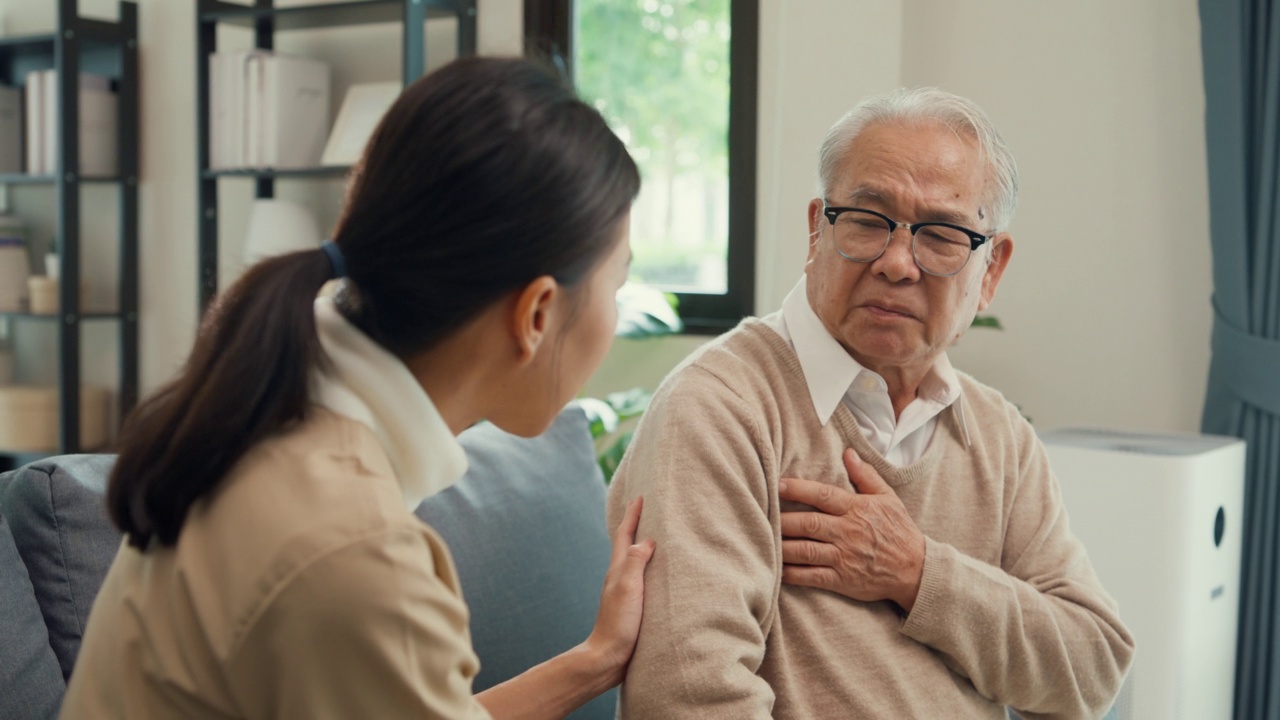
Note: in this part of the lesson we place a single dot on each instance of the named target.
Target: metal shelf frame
(110, 48)
(267, 20)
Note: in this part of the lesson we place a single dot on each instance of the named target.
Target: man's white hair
(911, 106)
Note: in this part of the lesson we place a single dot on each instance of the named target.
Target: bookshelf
(79, 44)
(266, 20)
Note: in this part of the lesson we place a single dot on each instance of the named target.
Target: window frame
(548, 26)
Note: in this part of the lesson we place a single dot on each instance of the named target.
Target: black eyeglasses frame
(976, 239)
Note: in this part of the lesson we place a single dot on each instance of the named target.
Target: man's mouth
(888, 310)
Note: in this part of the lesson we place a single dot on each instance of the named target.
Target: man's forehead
(867, 194)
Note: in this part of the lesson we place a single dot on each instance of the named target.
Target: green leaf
(987, 321)
(629, 403)
(603, 418)
(612, 456)
(644, 312)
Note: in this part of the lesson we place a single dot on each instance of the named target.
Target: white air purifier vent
(1161, 517)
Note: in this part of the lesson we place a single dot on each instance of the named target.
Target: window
(676, 80)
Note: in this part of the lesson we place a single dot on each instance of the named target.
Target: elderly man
(848, 527)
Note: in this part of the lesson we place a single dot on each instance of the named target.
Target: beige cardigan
(1009, 610)
(305, 588)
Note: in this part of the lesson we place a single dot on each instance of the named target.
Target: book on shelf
(98, 122)
(295, 112)
(227, 117)
(226, 123)
(10, 130)
(251, 148)
(362, 108)
(34, 90)
(267, 110)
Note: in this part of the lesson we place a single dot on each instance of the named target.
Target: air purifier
(1161, 517)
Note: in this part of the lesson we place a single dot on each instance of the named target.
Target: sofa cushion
(29, 671)
(526, 526)
(61, 529)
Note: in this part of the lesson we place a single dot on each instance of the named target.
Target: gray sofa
(526, 526)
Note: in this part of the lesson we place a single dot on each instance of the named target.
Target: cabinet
(267, 21)
(110, 48)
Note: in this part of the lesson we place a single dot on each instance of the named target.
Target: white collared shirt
(834, 376)
(370, 385)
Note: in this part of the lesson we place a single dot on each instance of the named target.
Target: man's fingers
(863, 476)
(811, 525)
(816, 577)
(827, 498)
(808, 552)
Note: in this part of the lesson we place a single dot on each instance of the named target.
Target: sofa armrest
(31, 682)
(61, 529)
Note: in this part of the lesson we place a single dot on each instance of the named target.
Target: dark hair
(483, 176)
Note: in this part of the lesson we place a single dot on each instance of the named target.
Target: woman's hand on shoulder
(562, 684)
(622, 601)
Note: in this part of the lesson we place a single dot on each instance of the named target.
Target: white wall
(1106, 302)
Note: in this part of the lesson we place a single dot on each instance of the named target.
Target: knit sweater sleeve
(711, 589)
(1038, 633)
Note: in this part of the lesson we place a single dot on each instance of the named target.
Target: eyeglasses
(938, 248)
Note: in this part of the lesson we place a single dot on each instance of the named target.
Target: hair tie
(335, 258)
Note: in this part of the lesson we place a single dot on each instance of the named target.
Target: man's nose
(897, 263)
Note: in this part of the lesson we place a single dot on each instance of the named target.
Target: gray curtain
(1241, 45)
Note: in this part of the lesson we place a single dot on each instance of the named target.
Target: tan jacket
(305, 587)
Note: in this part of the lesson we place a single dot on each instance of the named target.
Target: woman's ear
(531, 316)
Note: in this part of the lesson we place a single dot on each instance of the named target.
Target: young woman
(273, 566)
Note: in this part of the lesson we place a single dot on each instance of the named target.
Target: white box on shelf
(29, 418)
(267, 110)
(97, 126)
(228, 114)
(295, 112)
(362, 108)
(1161, 516)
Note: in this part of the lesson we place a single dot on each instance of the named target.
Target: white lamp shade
(277, 227)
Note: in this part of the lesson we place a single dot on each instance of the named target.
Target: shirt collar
(370, 385)
(830, 371)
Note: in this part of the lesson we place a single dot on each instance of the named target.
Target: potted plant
(643, 312)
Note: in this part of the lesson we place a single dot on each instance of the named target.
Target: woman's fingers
(625, 536)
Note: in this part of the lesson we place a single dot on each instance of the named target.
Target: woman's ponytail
(247, 379)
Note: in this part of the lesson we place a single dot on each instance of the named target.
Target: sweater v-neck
(845, 422)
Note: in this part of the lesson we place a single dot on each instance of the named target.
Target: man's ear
(1001, 251)
(531, 316)
(815, 227)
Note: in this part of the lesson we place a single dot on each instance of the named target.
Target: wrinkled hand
(862, 545)
(622, 601)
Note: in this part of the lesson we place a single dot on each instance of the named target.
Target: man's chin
(871, 353)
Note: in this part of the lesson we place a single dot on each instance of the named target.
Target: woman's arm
(564, 683)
